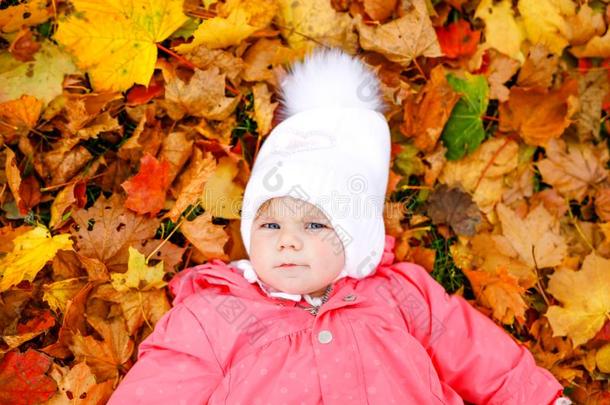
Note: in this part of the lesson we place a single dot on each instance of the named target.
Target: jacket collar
(217, 273)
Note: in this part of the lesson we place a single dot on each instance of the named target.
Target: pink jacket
(395, 337)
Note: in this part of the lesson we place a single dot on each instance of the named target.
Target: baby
(320, 313)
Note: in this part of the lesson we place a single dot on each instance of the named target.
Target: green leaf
(464, 131)
(407, 163)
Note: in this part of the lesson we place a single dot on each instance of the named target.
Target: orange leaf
(457, 39)
(146, 190)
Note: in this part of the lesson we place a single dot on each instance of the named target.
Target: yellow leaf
(31, 13)
(221, 195)
(536, 238)
(602, 358)
(139, 276)
(58, 294)
(30, 253)
(585, 299)
(545, 22)
(115, 39)
(502, 31)
(307, 24)
(238, 20)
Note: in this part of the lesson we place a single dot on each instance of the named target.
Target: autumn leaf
(146, 190)
(403, 39)
(464, 130)
(126, 54)
(536, 238)
(222, 195)
(32, 250)
(41, 79)
(236, 21)
(585, 299)
(455, 207)
(208, 239)
(78, 386)
(502, 30)
(18, 117)
(538, 115)
(33, 12)
(546, 22)
(58, 293)
(425, 115)
(458, 39)
(23, 378)
(139, 276)
(572, 168)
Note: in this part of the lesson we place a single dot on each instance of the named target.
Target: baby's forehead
(289, 208)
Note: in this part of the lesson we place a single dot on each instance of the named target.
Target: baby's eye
(269, 223)
(316, 223)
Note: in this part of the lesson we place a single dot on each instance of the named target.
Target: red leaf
(42, 321)
(457, 39)
(23, 380)
(140, 94)
(146, 190)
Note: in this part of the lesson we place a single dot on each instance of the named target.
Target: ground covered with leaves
(129, 128)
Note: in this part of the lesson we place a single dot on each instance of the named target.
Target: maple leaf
(104, 357)
(146, 190)
(33, 12)
(18, 117)
(263, 108)
(502, 31)
(304, 25)
(545, 22)
(585, 299)
(499, 291)
(208, 239)
(464, 130)
(481, 173)
(403, 39)
(454, 207)
(78, 386)
(139, 276)
(535, 238)
(126, 54)
(538, 69)
(458, 39)
(236, 21)
(23, 378)
(58, 293)
(425, 115)
(538, 115)
(32, 250)
(222, 195)
(203, 96)
(41, 78)
(106, 230)
(572, 168)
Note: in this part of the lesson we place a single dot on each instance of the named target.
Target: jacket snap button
(350, 297)
(325, 336)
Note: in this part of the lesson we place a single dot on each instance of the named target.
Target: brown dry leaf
(453, 206)
(482, 172)
(113, 231)
(78, 386)
(202, 96)
(536, 238)
(18, 117)
(192, 182)
(538, 69)
(207, 238)
(602, 204)
(572, 168)
(262, 58)
(204, 58)
(175, 150)
(64, 162)
(536, 115)
(403, 39)
(596, 47)
(500, 70)
(426, 114)
(585, 299)
(107, 356)
(263, 108)
(13, 176)
(379, 10)
(592, 89)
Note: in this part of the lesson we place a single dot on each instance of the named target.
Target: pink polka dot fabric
(395, 337)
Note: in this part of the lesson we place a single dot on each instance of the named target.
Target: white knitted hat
(332, 149)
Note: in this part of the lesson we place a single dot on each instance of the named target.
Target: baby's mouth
(290, 266)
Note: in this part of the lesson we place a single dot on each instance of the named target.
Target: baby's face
(289, 230)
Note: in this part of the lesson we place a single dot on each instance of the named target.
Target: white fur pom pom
(329, 78)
